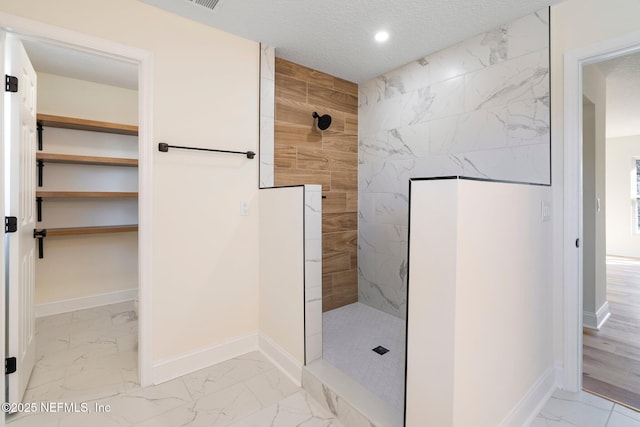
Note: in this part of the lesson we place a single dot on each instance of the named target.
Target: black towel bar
(164, 147)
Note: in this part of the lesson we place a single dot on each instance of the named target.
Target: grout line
(610, 413)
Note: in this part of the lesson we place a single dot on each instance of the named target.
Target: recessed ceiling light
(381, 36)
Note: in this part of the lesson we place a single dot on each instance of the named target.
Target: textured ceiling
(336, 36)
(330, 35)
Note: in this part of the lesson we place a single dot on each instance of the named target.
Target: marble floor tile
(90, 356)
(618, 419)
(34, 420)
(271, 386)
(78, 359)
(630, 413)
(225, 374)
(141, 404)
(41, 377)
(298, 409)
(581, 409)
(584, 410)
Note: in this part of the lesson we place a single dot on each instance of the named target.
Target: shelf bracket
(40, 166)
(39, 205)
(39, 127)
(40, 235)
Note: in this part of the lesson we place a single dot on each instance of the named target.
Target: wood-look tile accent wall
(305, 155)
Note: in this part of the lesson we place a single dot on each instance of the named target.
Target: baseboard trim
(281, 358)
(533, 401)
(596, 320)
(73, 304)
(559, 374)
(189, 362)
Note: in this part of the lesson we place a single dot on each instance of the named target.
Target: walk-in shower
(477, 109)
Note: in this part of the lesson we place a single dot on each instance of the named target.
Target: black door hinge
(10, 83)
(10, 224)
(10, 365)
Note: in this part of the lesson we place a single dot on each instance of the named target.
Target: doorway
(574, 63)
(33, 32)
(611, 303)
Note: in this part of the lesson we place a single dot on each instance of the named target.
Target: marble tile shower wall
(479, 108)
(267, 113)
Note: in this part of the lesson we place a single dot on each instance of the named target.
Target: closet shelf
(85, 194)
(83, 124)
(77, 231)
(85, 160)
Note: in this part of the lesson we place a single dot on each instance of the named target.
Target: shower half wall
(479, 109)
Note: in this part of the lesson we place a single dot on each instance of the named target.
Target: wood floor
(611, 356)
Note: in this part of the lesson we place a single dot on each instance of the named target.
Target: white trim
(596, 320)
(282, 359)
(572, 204)
(189, 362)
(73, 304)
(574, 60)
(39, 31)
(531, 403)
(635, 195)
(145, 215)
(2, 207)
(558, 373)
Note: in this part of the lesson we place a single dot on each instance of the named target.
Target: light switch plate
(545, 210)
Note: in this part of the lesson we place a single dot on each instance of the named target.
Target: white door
(20, 167)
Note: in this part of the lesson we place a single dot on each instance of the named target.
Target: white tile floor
(90, 356)
(584, 410)
(350, 333)
(88, 353)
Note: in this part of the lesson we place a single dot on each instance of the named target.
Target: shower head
(323, 121)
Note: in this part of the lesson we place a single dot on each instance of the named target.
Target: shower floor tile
(350, 334)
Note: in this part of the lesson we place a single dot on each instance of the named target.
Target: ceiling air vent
(209, 4)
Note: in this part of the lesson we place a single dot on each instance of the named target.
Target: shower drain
(380, 350)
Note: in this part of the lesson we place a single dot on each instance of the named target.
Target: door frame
(3, 302)
(574, 61)
(37, 31)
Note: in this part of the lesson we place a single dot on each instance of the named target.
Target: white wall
(622, 237)
(77, 267)
(432, 297)
(290, 275)
(479, 310)
(205, 93)
(64, 96)
(594, 198)
(575, 24)
(282, 273)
